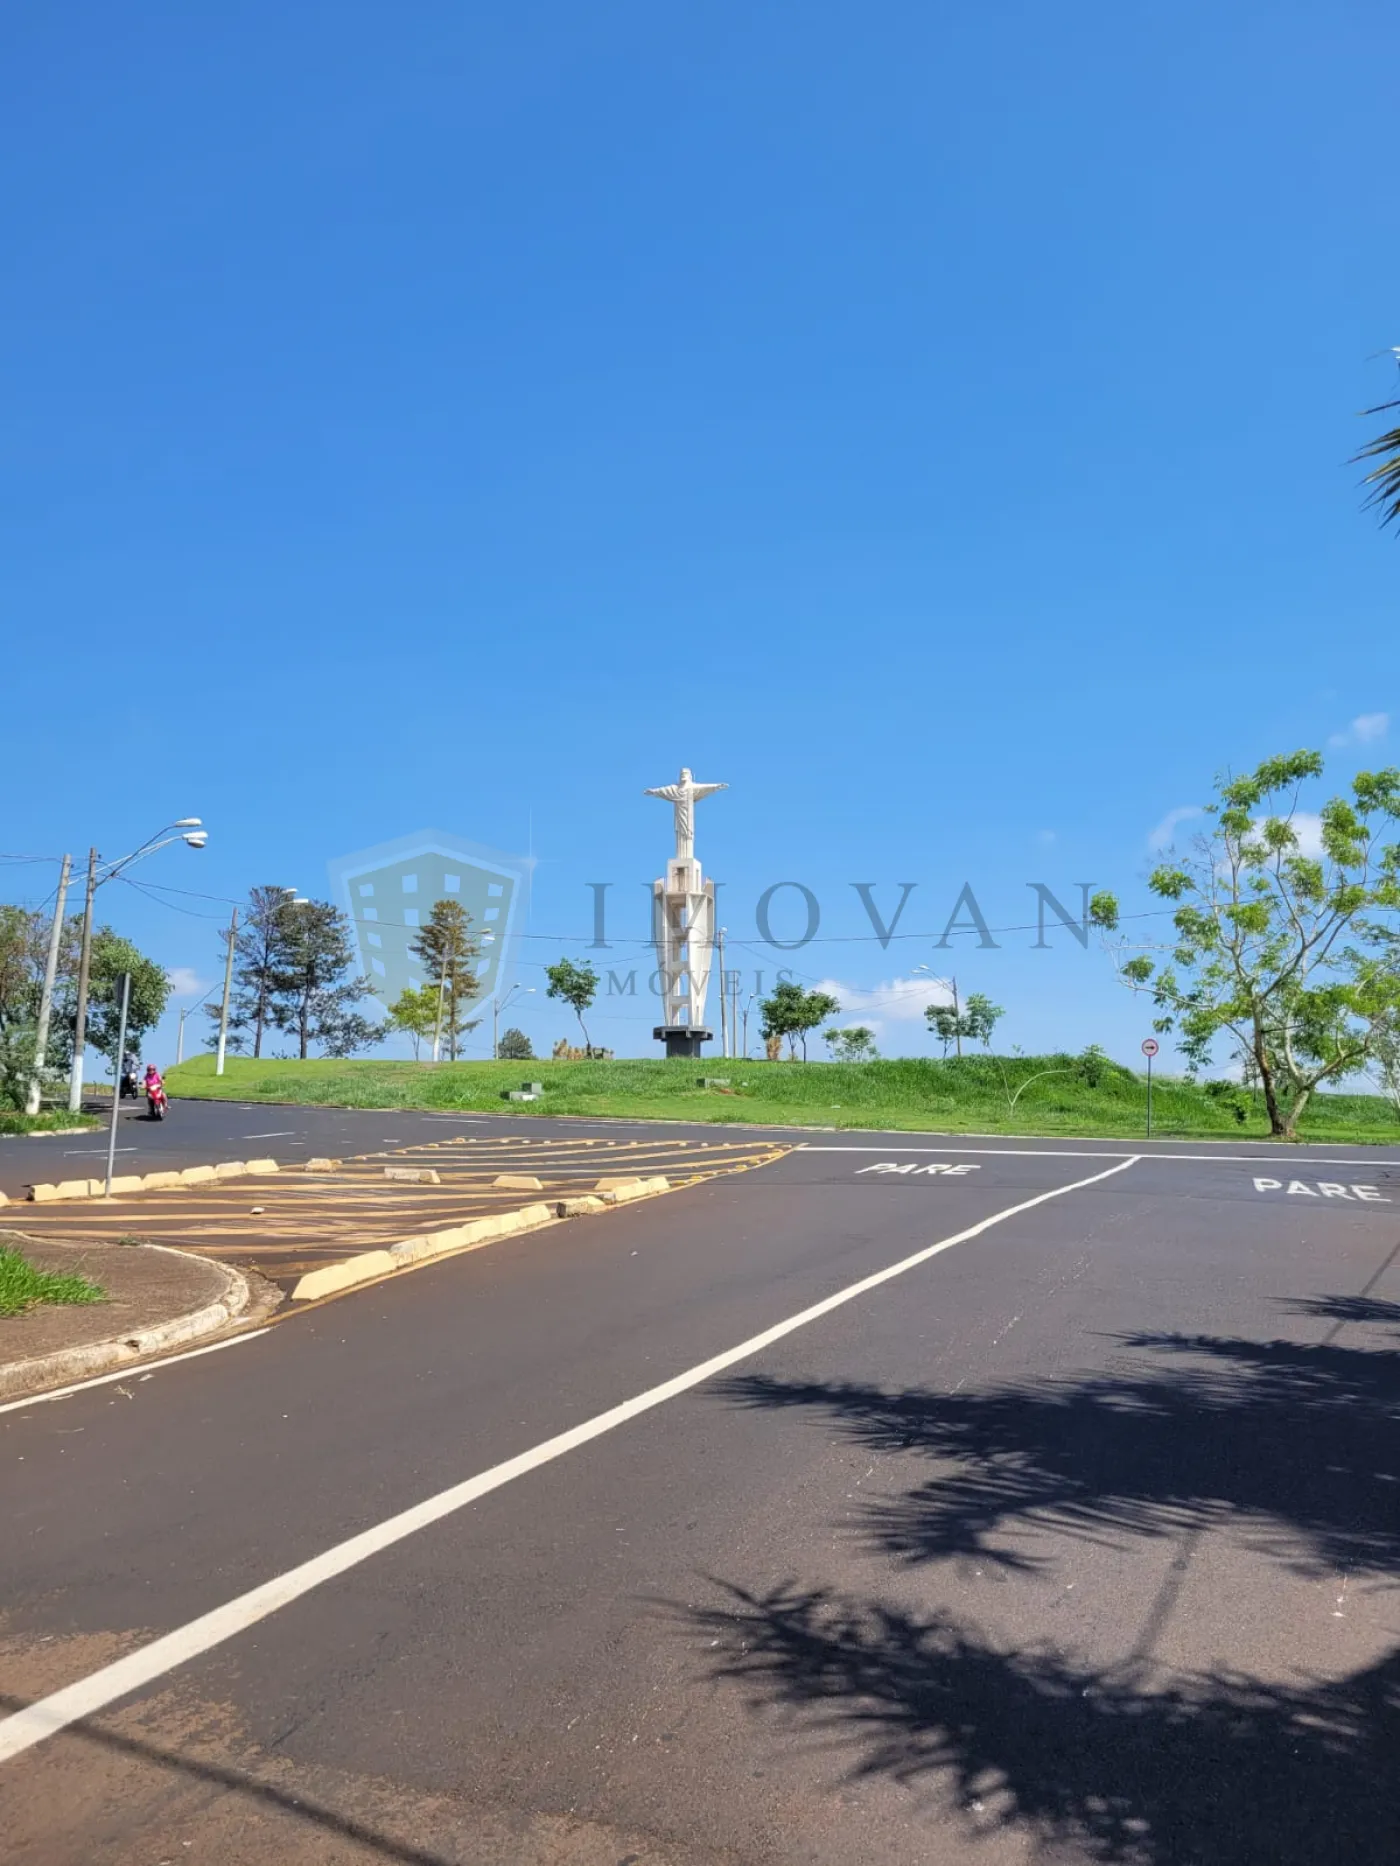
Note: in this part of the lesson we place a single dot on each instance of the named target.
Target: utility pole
(117, 1084)
(957, 1017)
(41, 1039)
(75, 1079)
(723, 1011)
(437, 1027)
(228, 990)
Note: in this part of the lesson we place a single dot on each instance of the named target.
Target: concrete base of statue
(682, 1040)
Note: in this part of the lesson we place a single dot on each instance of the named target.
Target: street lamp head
(188, 822)
(198, 839)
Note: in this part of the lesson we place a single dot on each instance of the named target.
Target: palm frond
(1383, 480)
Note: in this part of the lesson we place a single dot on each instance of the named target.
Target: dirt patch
(173, 1779)
(142, 1287)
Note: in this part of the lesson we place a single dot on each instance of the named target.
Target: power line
(142, 887)
(884, 940)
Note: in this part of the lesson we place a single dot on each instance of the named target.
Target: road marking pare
(914, 1169)
(1324, 1189)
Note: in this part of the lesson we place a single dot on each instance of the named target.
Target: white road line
(137, 1370)
(47, 1716)
(72, 1153)
(1056, 1153)
(1012, 1153)
(279, 1133)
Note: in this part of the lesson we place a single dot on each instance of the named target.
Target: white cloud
(1164, 834)
(185, 982)
(897, 1001)
(1365, 729)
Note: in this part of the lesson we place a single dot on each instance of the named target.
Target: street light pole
(497, 1006)
(75, 1079)
(949, 984)
(41, 1036)
(190, 831)
(228, 989)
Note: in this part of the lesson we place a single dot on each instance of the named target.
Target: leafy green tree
(448, 950)
(1284, 950)
(576, 985)
(853, 1045)
(946, 1024)
(314, 992)
(515, 1047)
(791, 1012)
(980, 1018)
(1386, 1063)
(976, 1020)
(150, 991)
(415, 1012)
(22, 937)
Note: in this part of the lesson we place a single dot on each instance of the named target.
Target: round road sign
(1149, 1046)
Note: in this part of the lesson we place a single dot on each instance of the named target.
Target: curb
(50, 1133)
(369, 1266)
(68, 1189)
(19, 1378)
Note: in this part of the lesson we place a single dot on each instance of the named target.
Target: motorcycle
(131, 1084)
(156, 1103)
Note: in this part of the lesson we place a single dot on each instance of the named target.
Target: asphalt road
(1073, 1540)
(201, 1132)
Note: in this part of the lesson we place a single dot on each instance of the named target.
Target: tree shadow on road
(1295, 1444)
(1215, 1771)
(1292, 1446)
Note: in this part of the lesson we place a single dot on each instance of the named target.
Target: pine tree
(448, 951)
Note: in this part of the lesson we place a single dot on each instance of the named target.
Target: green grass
(959, 1096)
(12, 1122)
(22, 1286)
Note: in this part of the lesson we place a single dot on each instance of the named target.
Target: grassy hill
(960, 1096)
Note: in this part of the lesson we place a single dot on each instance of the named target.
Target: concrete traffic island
(369, 1266)
(154, 1299)
(333, 1224)
(67, 1189)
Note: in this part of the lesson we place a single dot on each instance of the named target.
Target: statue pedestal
(682, 1040)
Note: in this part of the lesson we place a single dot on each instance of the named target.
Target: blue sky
(931, 421)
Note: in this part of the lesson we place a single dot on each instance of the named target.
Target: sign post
(119, 1059)
(1149, 1049)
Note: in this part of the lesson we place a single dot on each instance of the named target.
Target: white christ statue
(684, 796)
